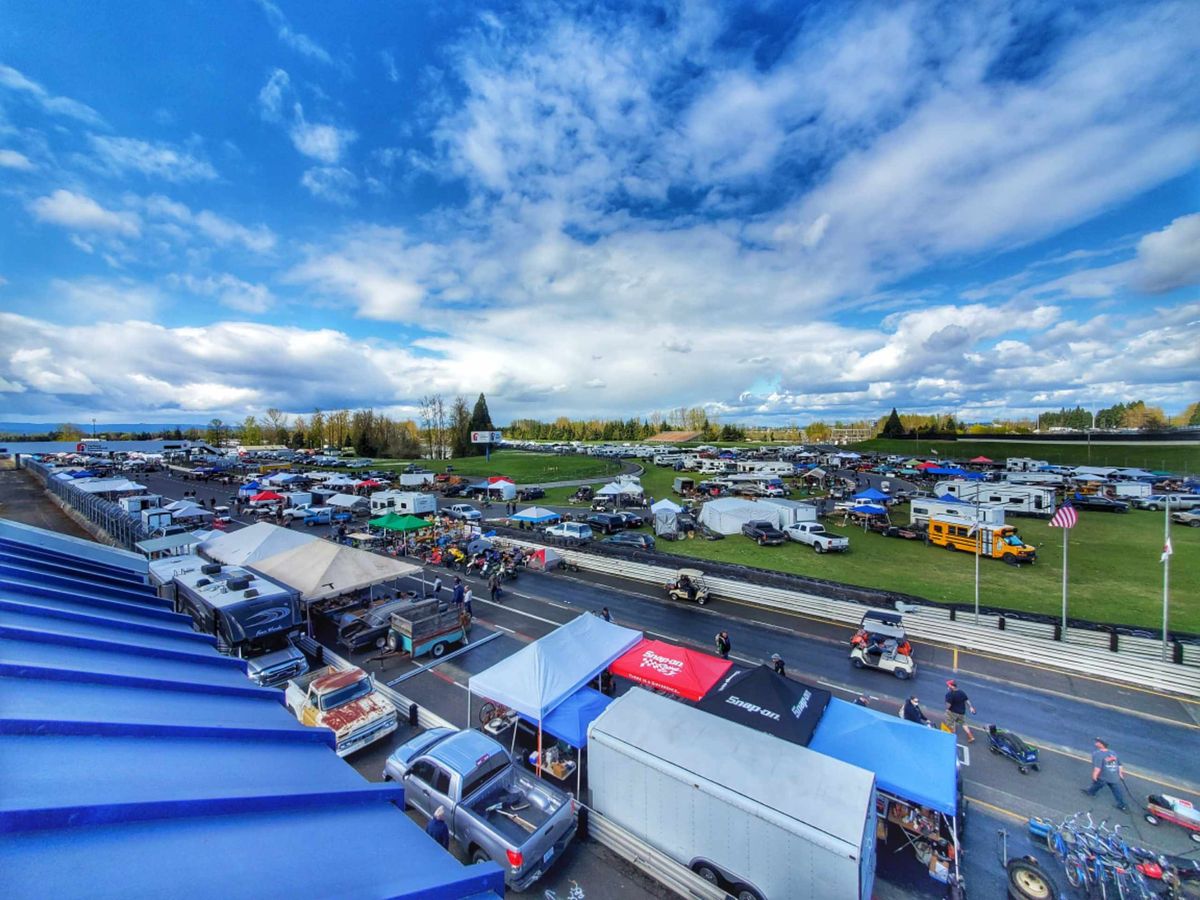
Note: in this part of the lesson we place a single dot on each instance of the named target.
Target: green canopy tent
(397, 522)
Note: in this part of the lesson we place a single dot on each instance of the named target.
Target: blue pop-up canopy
(911, 761)
(868, 509)
(870, 494)
(570, 720)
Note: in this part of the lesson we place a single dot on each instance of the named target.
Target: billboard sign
(486, 437)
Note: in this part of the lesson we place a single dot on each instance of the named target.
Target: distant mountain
(101, 427)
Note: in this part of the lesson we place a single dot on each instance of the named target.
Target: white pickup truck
(346, 702)
(817, 537)
(464, 511)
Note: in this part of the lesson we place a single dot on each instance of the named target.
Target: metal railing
(1136, 660)
(123, 528)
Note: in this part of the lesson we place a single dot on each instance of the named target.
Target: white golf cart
(689, 585)
(880, 643)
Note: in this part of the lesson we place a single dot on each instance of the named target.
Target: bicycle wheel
(487, 712)
(1076, 872)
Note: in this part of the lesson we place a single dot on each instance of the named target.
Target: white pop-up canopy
(666, 505)
(247, 545)
(728, 515)
(321, 569)
(346, 501)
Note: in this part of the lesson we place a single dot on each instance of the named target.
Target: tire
(700, 601)
(487, 712)
(393, 642)
(1195, 523)
(439, 650)
(745, 893)
(858, 663)
(951, 548)
(1195, 836)
(1151, 818)
(761, 542)
(479, 855)
(818, 548)
(1153, 508)
(707, 872)
(902, 674)
(1028, 881)
(1076, 873)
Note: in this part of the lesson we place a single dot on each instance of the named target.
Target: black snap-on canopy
(764, 701)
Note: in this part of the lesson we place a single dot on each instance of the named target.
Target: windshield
(1013, 541)
(347, 694)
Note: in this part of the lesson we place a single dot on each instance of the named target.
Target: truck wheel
(745, 893)
(707, 872)
(818, 548)
(951, 547)
(478, 855)
(392, 642)
(439, 649)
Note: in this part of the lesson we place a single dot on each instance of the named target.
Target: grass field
(1170, 458)
(522, 467)
(1114, 576)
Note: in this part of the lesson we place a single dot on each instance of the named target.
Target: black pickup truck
(763, 533)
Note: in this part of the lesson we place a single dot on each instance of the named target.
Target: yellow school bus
(991, 541)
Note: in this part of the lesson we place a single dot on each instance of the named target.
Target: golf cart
(689, 585)
(880, 643)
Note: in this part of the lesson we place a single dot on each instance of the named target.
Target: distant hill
(101, 427)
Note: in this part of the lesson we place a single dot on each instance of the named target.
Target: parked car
(609, 523)
(571, 531)
(494, 809)
(638, 539)
(631, 520)
(817, 537)
(763, 533)
(530, 493)
(1096, 502)
(1191, 517)
(368, 628)
(318, 515)
(1177, 502)
(464, 511)
(348, 703)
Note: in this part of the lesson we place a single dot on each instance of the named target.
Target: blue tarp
(950, 498)
(868, 509)
(570, 719)
(911, 761)
(954, 472)
(870, 494)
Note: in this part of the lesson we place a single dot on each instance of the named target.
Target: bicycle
(491, 710)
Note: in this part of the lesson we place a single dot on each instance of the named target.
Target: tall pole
(978, 539)
(1066, 534)
(1166, 563)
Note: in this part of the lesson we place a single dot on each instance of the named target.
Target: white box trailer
(1024, 464)
(771, 468)
(1131, 489)
(413, 503)
(298, 498)
(1018, 499)
(771, 818)
(415, 479)
(922, 509)
(1045, 478)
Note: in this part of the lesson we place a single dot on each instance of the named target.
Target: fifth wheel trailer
(763, 817)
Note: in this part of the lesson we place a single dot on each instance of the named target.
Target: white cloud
(258, 239)
(301, 43)
(389, 66)
(320, 141)
(11, 159)
(81, 213)
(229, 290)
(120, 155)
(61, 106)
(331, 183)
(1170, 258)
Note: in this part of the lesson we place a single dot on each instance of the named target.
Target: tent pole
(539, 765)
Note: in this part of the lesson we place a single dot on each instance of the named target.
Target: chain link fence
(123, 528)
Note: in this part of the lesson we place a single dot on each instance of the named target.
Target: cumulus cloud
(1170, 258)
(11, 159)
(120, 155)
(22, 85)
(229, 291)
(81, 213)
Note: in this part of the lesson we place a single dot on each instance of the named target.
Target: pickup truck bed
(542, 805)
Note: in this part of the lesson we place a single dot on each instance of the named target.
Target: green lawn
(522, 467)
(1115, 575)
(1171, 458)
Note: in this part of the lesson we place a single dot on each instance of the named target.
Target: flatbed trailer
(428, 626)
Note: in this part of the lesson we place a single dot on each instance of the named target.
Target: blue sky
(780, 212)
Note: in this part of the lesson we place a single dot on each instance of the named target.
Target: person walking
(605, 614)
(437, 587)
(911, 711)
(957, 704)
(777, 664)
(456, 596)
(467, 603)
(494, 587)
(723, 645)
(1106, 770)
(438, 829)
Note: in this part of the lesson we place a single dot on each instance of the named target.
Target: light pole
(978, 541)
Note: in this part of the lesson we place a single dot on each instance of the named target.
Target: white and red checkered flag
(1066, 517)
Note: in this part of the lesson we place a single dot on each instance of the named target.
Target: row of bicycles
(1102, 862)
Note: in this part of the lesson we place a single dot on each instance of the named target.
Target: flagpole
(1166, 575)
(1066, 533)
(978, 538)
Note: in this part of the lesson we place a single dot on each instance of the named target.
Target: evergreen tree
(481, 419)
(892, 428)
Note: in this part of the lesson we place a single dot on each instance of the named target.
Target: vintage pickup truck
(815, 535)
(346, 702)
(494, 810)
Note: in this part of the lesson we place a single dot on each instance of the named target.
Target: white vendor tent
(620, 488)
(666, 505)
(504, 490)
(540, 676)
(247, 545)
(183, 512)
(537, 515)
(321, 569)
(348, 501)
(665, 512)
(108, 486)
(792, 511)
(727, 515)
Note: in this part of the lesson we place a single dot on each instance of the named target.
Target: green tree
(69, 432)
(460, 429)
(481, 419)
(1191, 415)
(893, 428)
(251, 432)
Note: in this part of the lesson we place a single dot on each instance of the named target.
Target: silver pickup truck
(494, 810)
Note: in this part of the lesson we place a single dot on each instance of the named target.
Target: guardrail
(121, 527)
(1135, 661)
(661, 868)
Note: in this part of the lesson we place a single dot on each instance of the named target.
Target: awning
(321, 569)
(266, 496)
(570, 719)
(397, 522)
(760, 699)
(981, 459)
(536, 514)
(677, 670)
(255, 542)
(910, 761)
(167, 544)
(870, 494)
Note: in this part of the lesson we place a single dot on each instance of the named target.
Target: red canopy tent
(981, 459)
(927, 465)
(666, 667)
(262, 496)
(497, 478)
(369, 482)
